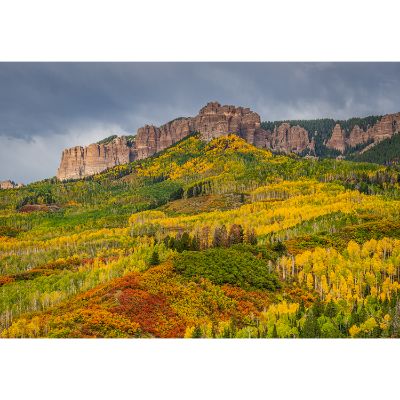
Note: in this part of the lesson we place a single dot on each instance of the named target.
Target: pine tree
(195, 243)
(310, 327)
(274, 332)
(197, 334)
(155, 259)
(279, 247)
(185, 241)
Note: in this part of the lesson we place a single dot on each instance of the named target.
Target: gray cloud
(45, 107)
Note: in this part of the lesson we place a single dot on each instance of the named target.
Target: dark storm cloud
(48, 106)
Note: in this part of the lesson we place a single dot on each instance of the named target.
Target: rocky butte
(212, 121)
(8, 184)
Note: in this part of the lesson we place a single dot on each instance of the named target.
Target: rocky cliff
(337, 140)
(78, 162)
(215, 120)
(10, 184)
(212, 121)
(287, 139)
(385, 128)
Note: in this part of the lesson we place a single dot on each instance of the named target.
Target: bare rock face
(215, 120)
(8, 184)
(212, 121)
(287, 139)
(338, 139)
(151, 139)
(383, 129)
(78, 162)
(357, 136)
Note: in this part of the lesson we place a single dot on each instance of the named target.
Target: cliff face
(385, 128)
(338, 140)
(287, 139)
(78, 162)
(213, 121)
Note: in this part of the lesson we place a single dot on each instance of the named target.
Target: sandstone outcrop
(287, 139)
(215, 120)
(8, 184)
(385, 128)
(78, 162)
(337, 140)
(212, 121)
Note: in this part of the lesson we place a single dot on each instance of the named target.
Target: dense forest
(385, 152)
(218, 239)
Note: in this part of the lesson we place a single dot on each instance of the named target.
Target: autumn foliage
(217, 239)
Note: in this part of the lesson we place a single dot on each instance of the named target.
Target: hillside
(213, 238)
(385, 152)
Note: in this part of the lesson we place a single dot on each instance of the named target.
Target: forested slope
(217, 239)
(386, 152)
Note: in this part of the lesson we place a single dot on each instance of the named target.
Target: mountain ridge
(321, 138)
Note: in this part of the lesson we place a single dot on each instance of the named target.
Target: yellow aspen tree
(310, 281)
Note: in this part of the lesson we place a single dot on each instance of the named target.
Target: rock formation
(287, 139)
(337, 140)
(213, 121)
(78, 162)
(385, 128)
(10, 184)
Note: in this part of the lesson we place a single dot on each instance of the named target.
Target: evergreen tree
(154, 259)
(317, 308)
(171, 243)
(197, 334)
(310, 328)
(185, 241)
(274, 332)
(195, 243)
(279, 247)
(330, 309)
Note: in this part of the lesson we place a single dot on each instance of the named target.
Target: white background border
(207, 30)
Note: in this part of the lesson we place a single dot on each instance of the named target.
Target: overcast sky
(45, 107)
